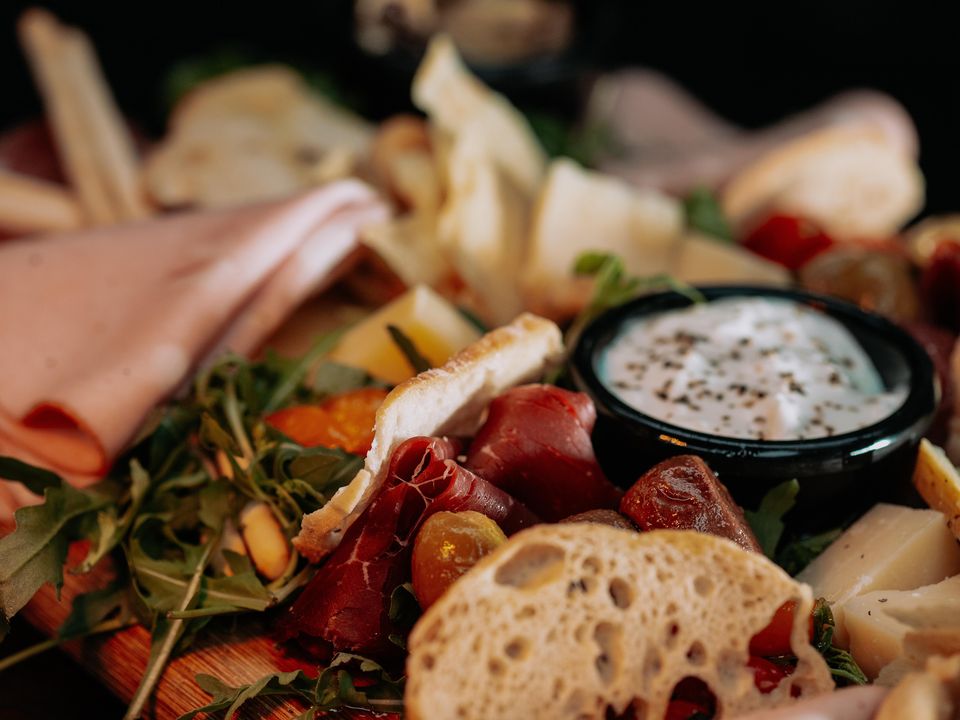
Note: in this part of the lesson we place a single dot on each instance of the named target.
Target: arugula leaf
(292, 684)
(843, 667)
(705, 214)
(796, 555)
(330, 378)
(112, 529)
(406, 346)
(35, 479)
(767, 520)
(93, 608)
(35, 552)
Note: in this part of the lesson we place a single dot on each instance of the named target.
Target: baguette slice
(589, 621)
(852, 181)
(449, 400)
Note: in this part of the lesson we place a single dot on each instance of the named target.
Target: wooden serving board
(237, 655)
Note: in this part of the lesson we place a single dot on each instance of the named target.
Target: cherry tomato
(774, 639)
(344, 421)
(767, 675)
(788, 240)
(447, 545)
(691, 698)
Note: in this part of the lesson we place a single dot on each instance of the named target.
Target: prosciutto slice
(99, 326)
(536, 446)
(347, 603)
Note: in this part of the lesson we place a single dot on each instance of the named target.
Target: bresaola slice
(347, 604)
(536, 445)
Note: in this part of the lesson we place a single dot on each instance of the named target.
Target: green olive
(449, 544)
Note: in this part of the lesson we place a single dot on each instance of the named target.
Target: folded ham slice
(99, 326)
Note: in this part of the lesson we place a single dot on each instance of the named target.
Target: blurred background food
(751, 64)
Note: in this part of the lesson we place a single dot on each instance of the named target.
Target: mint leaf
(767, 520)
(705, 214)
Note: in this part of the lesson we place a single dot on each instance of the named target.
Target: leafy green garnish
(185, 75)
(767, 520)
(843, 667)
(163, 513)
(584, 143)
(334, 688)
(406, 346)
(704, 213)
(797, 554)
(614, 286)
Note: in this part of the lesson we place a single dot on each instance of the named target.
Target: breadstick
(28, 205)
(107, 132)
(41, 37)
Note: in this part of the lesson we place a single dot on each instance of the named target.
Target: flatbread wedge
(447, 400)
(590, 621)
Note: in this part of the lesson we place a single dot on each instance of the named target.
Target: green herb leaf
(406, 346)
(330, 378)
(91, 609)
(842, 666)
(35, 479)
(291, 684)
(34, 553)
(113, 529)
(705, 214)
(796, 555)
(767, 520)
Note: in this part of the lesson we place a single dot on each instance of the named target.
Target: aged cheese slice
(578, 211)
(938, 481)
(702, 260)
(878, 622)
(889, 548)
(436, 327)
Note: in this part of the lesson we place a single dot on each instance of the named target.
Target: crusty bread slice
(585, 621)
(852, 181)
(253, 134)
(449, 400)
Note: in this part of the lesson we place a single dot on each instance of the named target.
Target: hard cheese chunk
(889, 548)
(436, 327)
(878, 621)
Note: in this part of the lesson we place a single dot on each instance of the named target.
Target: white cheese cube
(889, 548)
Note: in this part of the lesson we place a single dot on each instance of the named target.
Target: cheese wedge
(437, 329)
(938, 481)
(878, 622)
(579, 211)
(889, 548)
(701, 260)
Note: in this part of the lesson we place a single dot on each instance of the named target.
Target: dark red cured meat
(939, 346)
(682, 493)
(346, 605)
(536, 445)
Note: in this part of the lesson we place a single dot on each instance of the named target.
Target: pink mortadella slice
(98, 326)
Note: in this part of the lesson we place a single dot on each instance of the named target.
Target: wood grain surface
(237, 653)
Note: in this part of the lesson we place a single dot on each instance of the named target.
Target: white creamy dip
(757, 368)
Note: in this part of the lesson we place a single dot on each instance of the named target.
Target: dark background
(752, 64)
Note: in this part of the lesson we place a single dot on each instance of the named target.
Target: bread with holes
(851, 181)
(449, 400)
(589, 621)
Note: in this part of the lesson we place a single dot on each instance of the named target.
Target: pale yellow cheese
(877, 622)
(889, 548)
(702, 260)
(436, 327)
(938, 481)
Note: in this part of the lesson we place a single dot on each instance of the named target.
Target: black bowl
(839, 476)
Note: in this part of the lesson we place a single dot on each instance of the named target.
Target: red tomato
(344, 421)
(684, 710)
(774, 639)
(788, 240)
(767, 675)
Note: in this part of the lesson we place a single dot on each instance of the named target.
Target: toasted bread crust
(586, 621)
(447, 400)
